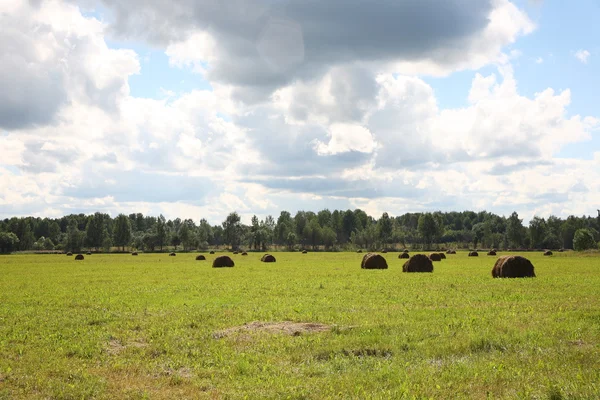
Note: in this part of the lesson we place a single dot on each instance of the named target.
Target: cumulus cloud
(583, 56)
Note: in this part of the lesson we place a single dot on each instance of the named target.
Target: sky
(197, 108)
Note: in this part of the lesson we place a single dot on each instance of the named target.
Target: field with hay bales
(309, 326)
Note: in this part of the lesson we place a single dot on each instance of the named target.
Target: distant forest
(324, 230)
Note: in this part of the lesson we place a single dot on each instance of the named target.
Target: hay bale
(513, 267)
(89, 253)
(235, 252)
(473, 254)
(435, 257)
(79, 257)
(548, 253)
(491, 253)
(418, 263)
(200, 257)
(384, 251)
(304, 252)
(373, 261)
(451, 252)
(405, 251)
(212, 252)
(223, 262)
(268, 258)
(443, 256)
(359, 251)
(404, 256)
(561, 250)
(244, 254)
(172, 255)
(69, 254)
(134, 253)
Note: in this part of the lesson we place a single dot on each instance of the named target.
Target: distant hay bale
(435, 257)
(404, 256)
(359, 251)
(513, 267)
(548, 253)
(200, 257)
(384, 251)
(134, 253)
(212, 252)
(235, 252)
(443, 256)
(89, 253)
(304, 252)
(268, 258)
(451, 252)
(418, 263)
(491, 253)
(69, 254)
(561, 250)
(79, 257)
(473, 254)
(223, 262)
(244, 254)
(373, 261)
(405, 251)
(172, 255)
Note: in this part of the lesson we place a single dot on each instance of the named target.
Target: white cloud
(539, 60)
(583, 56)
(346, 137)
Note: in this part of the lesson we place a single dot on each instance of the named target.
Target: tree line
(326, 230)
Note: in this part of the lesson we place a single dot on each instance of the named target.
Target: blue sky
(253, 108)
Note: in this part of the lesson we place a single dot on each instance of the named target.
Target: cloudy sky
(195, 108)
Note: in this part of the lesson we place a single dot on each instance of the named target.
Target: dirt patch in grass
(285, 327)
(115, 347)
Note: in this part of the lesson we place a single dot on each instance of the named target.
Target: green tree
(8, 242)
(583, 240)
(122, 232)
(95, 231)
(232, 230)
(75, 237)
(385, 227)
(161, 231)
(478, 233)
(514, 230)
(537, 232)
(427, 228)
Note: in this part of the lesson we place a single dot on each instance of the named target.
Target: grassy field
(159, 327)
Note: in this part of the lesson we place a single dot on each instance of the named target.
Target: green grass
(116, 326)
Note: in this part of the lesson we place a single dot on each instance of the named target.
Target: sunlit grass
(116, 326)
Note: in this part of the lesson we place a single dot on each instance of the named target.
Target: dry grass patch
(286, 327)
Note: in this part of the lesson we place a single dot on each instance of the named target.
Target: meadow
(159, 327)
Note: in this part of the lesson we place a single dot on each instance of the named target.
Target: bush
(583, 240)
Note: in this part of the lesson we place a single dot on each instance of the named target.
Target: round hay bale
(443, 256)
(404, 256)
(561, 250)
(235, 252)
(435, 257)
(223, 262)
(304, 252)
(513, 267)
(473, 254)
(548, 253)
(212, 252)
(491, 253)
(134, 253)
(268, 258)
(69, 254)
(359, 251)
(200, 257)
(418, 263)
(405, 251)
(172, 255)
(451, 252)
(89, 253)
(79, 257)
(244, 254)
(373, 261)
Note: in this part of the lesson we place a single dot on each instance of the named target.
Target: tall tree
(427, 228)
(95, 231)
(385, 227)
(122, 232)
(232, 230)
(161, 231)
(514, 230)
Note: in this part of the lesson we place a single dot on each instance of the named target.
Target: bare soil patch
(285, 327)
